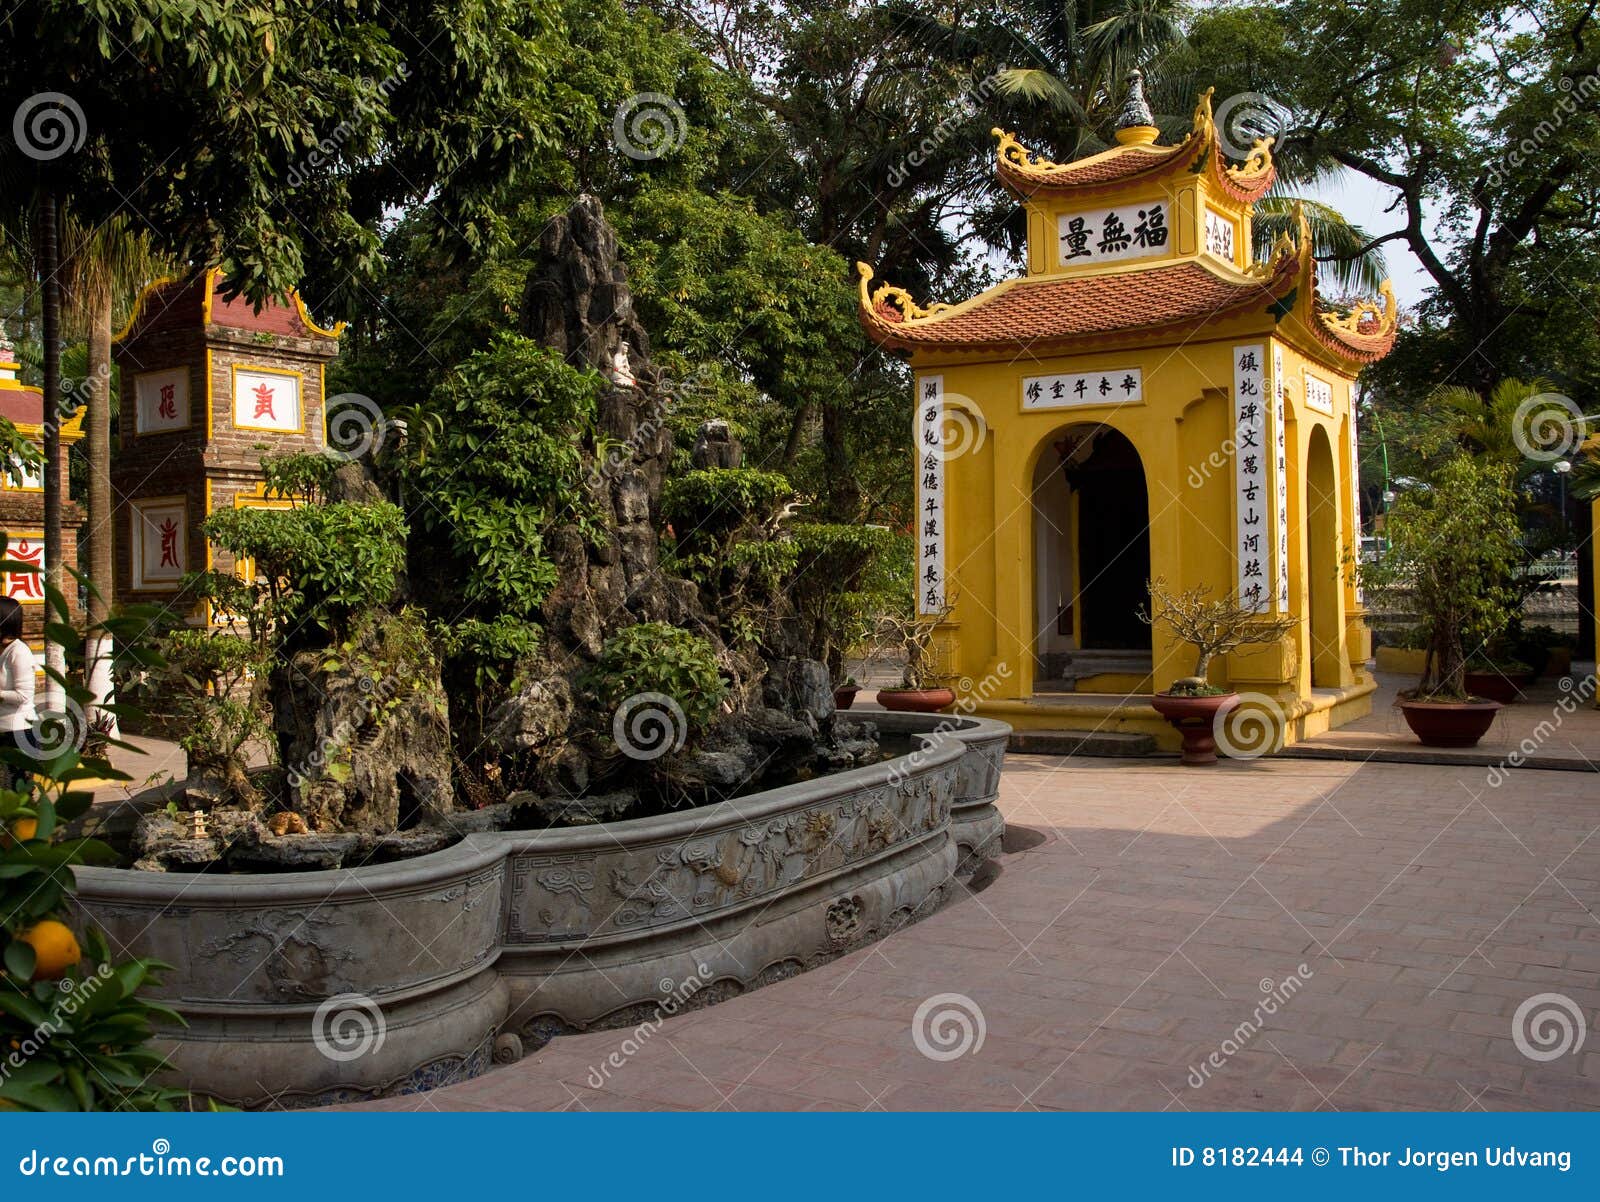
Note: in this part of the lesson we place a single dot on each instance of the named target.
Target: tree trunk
(98, 651)
(50, 302)
(843, 499)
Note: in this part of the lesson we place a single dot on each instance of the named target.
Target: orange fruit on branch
(55, 949)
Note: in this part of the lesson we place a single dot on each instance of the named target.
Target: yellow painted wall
(1182, 433)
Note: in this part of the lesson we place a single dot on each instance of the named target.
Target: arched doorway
(1091, 557)
(1323, 582)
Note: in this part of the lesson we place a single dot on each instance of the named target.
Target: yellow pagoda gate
(1148, 401)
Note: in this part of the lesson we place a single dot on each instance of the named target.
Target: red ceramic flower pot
(1449, 723)
(1504, 687)
(916, 701)
(845, 696)
(1195, 719)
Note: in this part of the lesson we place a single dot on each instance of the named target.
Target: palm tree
(1065, 74)
(99, 266)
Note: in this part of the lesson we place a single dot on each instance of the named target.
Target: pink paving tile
(1130, 944)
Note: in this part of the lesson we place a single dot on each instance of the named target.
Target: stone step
(1081, 742)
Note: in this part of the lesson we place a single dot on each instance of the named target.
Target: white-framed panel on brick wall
(161, 401)
(268, 398)
(160, 542)
(25, 546)
(22, 477)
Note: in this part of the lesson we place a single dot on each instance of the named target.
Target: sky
(1363, 201)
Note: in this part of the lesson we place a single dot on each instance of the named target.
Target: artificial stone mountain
(394, 747)
(578, 301)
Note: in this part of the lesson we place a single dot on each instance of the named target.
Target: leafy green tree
(1452, 555)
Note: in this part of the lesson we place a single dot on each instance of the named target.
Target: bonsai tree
(1213, 626)
(1453, 550)
(904, 632)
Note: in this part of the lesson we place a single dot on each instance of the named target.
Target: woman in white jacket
(17, 714)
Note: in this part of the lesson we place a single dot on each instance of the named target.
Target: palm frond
(1339, 245)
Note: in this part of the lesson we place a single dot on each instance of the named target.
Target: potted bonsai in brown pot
(1450, 565)
(844, 695)
(1213, 626)
(904, 634)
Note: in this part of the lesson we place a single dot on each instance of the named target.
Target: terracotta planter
(1195, 719)
(845, 696)
(916, 701)
(1504, 687)
(1449, 723)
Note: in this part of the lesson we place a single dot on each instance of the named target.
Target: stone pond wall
(320, 987)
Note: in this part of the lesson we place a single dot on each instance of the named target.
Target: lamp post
(1562, 469)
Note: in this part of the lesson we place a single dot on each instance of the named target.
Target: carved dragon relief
(898, 298)
(1366, 312)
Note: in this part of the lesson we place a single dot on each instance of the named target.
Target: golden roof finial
(898, 298)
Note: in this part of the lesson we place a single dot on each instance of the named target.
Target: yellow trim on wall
(139, 303)
(305, 316)
(233, 400)
(211, 292)
(211, 420)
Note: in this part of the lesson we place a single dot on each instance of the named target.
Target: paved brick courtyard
(1156, 911)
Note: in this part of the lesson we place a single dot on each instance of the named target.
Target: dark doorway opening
(1113, 539)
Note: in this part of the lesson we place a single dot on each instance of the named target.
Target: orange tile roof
(1052, 308)
(1027, 174)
